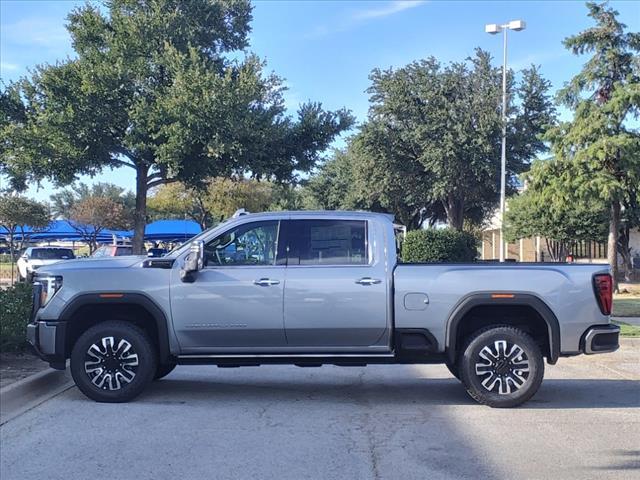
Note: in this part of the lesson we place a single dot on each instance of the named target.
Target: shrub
(15, 309)
(439, 245)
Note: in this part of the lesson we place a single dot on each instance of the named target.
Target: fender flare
(126, 298)
(518, 299)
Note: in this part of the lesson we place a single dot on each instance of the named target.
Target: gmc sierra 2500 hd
(313, 288)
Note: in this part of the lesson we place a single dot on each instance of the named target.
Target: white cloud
(539, 58)
(358, 17)
(389, 8)
(41, 32)
(9, 66)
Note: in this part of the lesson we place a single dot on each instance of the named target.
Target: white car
(36, 257)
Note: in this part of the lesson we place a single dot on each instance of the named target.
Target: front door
(235, 302)
(336, 293)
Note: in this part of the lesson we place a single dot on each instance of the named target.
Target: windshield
(52, 254)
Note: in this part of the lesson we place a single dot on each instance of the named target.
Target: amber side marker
(111, 295)
(502, 295)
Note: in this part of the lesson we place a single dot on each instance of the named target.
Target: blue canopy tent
(63, 230)
(158, 231)
(171, 230)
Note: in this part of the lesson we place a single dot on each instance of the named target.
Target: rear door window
(327, 242)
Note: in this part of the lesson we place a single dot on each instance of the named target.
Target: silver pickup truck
(314, 288)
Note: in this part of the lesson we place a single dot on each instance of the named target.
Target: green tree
(372, 180)
(216, 200)
(151, 88)
(63, 202)
(19, 217)
(430, 149)
(435, 133)
(176, 200)
(599, 149)
(561, 219)
(91, 215)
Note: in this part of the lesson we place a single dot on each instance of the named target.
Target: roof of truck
(332, 213)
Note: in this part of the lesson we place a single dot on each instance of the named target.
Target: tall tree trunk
(454, 209)
(140, 213)
(612, 244)
(625, 253)
(11, 253)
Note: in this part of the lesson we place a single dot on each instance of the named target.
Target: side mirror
(193, 262)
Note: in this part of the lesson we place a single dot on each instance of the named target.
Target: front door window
(249, 244)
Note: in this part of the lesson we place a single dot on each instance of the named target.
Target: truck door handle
(368, 281)
(266, 282)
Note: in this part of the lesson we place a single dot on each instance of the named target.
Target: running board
(299, 359)
(291, 355)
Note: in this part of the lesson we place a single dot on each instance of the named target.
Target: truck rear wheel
(501, 367)
(113, 362)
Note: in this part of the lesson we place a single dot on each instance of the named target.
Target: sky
(325, 50)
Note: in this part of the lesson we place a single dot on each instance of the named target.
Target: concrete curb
(630, 341)
(30, 392)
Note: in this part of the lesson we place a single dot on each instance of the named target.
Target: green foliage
(16, 213)
(599, 150)
(14, 315)
(219, 198)
(431, 145)
(64, 201)
(546, 209)
(151, 87)
(439, 245)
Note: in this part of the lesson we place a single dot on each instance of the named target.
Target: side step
(300, 360)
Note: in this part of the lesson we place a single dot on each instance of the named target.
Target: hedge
(15, 309)
(439, 245)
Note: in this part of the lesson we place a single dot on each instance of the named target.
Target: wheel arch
(501, 299)
(119, 301)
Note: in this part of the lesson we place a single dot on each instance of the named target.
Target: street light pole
(516, 25)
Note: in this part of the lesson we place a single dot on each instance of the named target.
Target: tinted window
(124, 251)
(327, 242)
(249, 244)
(52, 253)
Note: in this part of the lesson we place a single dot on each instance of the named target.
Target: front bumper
(48, 341)
(601, 339)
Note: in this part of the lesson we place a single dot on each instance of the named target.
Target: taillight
(603, 286)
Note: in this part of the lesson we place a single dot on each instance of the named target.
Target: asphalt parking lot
(379, 422)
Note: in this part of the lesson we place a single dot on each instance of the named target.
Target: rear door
(336, 290)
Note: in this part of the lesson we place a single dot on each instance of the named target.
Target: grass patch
(627, 330)
(626, 307)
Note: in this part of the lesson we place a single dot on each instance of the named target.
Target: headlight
(48, 288)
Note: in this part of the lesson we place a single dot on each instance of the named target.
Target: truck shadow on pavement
(553, 394)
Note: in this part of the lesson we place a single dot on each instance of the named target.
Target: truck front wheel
(113, 362)
(501, 366)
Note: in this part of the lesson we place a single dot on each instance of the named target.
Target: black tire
(508, 373)
(453, 368)
(163, 370)
(124, 371)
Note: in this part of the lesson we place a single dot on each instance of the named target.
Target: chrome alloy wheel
(502, 367)
(111, 367)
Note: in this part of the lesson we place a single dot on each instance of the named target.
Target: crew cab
(315, 288)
